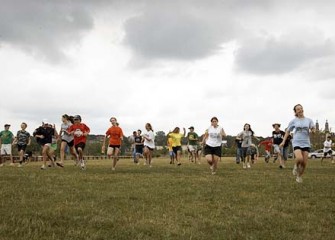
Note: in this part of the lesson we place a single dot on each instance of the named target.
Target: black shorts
(114, 146)
(213, 150)
(139, 149)
(176, 149)
(21, 147)
(304, 149)
(246, 151)
(80, 145)
(151, 149)
(329, 152)
(70, 144)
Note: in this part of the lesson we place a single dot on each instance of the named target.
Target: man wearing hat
(193, 138)
(6, 140)
(277, 138)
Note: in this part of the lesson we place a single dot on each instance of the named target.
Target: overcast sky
(170, 63)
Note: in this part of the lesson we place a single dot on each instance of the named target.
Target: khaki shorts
(6, 149)
(193, 148)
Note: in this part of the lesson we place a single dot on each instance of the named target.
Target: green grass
(167, 202)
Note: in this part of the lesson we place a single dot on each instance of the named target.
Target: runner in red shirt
(80, 131)
(267, 145)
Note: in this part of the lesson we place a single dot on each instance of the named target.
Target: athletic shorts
(176, 149)
(213, 150)
(6, 149)
(193, 148)
(329, 152)
(277, 149)
(304, 149)
(70, 144)
(139, 150)
(151, 149)
(111, 149)
(21, 147)
(80, 145)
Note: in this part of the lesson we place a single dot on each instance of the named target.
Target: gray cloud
(271, 55)
(45, 29)
(178, 30)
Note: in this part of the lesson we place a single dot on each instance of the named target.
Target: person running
(246, 137)
(131, 140)
(67, 140)
(22, 140)
(327, 149)
(169, 145)
(301, 140)
(267, 143)
(149, 144)
(176, 143)
(43, 135)
(138, 146)
(80, 132)
(238, 143)
(193, 140)
(213, 144)
(6, 140)
(254, 154)
(286, 147)
(277, 138)
(115, 135)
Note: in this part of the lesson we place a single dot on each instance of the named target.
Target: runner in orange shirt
(115, 135)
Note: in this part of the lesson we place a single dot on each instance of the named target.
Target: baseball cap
(191, 127)
(7, 125)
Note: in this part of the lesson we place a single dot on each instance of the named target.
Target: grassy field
(167, 202)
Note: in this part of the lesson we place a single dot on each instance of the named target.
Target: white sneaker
(82, 165)
(244, 166)
(1, 165)
(113, 168)
(211, 167)
(43, 167)
(213, 173)
(20, 165)
(248, 165)
(298, 179)
(333, 161)
(12, 164)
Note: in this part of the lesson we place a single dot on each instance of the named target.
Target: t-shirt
(151, 142)
(288, 140)
(22, 137)
(277, 137)
(214, 136)
(65, 135)
(6, 137)
(300, 128)
(267, 144)
(246, 137)
(192, 138)
(327, 145)
(115, 134)
(176, 139)
(47, 132)
(78, 132)
(138, 143)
